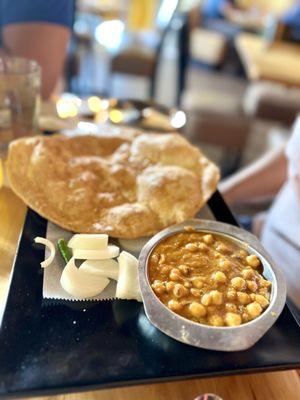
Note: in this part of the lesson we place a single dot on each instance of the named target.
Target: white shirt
(281, 234)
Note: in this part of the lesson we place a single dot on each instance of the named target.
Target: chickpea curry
(208, 279)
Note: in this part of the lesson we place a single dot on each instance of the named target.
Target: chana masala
(208, 278)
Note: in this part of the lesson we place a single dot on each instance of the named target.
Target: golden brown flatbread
(127, 186)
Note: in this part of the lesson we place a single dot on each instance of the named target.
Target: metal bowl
(209, 337)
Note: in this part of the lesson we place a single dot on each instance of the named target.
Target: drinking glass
(20, 82)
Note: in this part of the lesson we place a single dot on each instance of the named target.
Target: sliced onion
(128, 284)
(81, 284)
(110, 252)
(106, 268)
(88, 241)
(134, 245)
(50, 246)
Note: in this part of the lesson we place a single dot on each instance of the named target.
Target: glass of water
(20, 82)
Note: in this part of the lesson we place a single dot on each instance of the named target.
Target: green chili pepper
(64, 250)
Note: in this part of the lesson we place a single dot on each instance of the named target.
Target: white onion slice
(106, 268)
(88, 241)
(134, 245)
(50, 246)
(81, 284)
(110, 252)
(128, 284)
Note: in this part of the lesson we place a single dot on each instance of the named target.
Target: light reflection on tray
(136, 113)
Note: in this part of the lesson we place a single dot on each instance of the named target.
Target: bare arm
(46, 43)
(261, 179)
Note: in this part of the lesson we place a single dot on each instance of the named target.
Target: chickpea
(187, 284)
(230, 307)
(206, 299)
(231, 294)
(217, 255)
(263, 292)
(165, 270)
(248, 273)
(263, 283)
(246, 317)
(170, 286)
(197, 282)
(252, 285)
(195, 264)
(261, 300)
(253, 261)
(186, 257)
(217, 297)
(191, 247)
(179, 290)
(196, 292)
(242, 253)
(224, 264)
(174, 305)
(197, 310)
(222, 248)
(184, 269)
(219, 277)
(215, 320)
(202, 247)
(252, 296)
(154, 258)
(158, 287)
(243, 298)
(175, 274)
(233, 319)
(254, 309)
(157, 281)
(162, 259)
(238, 282)
(208, 239)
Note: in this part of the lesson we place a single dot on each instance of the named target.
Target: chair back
(165, 14)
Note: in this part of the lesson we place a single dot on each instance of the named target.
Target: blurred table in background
(266, 6)
(279, 63)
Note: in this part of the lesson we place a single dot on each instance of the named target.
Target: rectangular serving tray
(59, 347)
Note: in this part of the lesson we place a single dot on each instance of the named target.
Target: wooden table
(272, 386)
(279, 63)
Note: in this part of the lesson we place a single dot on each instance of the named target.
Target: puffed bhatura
(126, 185)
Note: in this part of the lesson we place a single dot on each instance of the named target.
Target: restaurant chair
(216, 120)
(272, 101)
(79, 61)
(199, 46)
(207, 47)
(141, 57)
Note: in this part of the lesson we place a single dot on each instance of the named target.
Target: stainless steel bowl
(209, 337)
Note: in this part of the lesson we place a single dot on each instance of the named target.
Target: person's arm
(45, 43)
(39, 30)
(262, 179)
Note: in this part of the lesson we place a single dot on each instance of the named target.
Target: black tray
(48, 348)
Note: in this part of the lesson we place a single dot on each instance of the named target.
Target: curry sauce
(208, 279)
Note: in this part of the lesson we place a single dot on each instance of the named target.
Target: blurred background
(232, 67)
(224, 73)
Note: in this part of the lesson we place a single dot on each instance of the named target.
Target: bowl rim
(158, 313)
